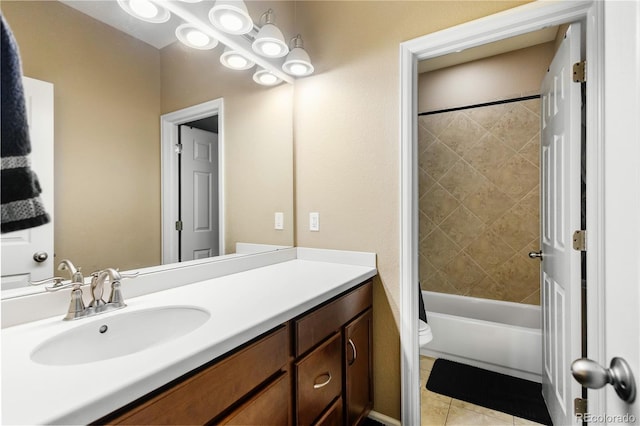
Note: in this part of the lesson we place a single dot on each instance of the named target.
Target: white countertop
(242, 306)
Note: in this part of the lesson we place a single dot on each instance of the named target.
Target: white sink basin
(119, 335)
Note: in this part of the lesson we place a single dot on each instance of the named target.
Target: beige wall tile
(438, 204)
(517, 127)
(489, 203)
(462, 134)
(439, 249)
(531, 151)
(517, 227)
(488, 116)
(436, 123)
(489, 250)
(462, 180)
(463, 273)
(489, 154)
(485, 201)
(425, 182)
(437, 159)
(462, 226)
(515, 177)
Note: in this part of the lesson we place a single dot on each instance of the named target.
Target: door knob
(40, 256)
(592, 375)
(535, 254)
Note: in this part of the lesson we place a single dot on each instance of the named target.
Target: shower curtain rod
(504, 101)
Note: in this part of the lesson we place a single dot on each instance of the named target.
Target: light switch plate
(314, 221)
(279, 220)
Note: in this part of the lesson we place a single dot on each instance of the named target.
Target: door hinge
(580, 407)
(580, 240)
(178, 225)
(579, 72)
(178, 148)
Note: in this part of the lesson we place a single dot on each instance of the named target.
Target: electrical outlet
(279, 220)
(314, 221)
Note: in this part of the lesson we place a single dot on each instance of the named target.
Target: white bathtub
(500, 336)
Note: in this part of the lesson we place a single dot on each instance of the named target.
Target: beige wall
(106, 149)
(505, 76)
(347, 144)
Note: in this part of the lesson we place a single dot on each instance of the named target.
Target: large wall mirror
(110, 90)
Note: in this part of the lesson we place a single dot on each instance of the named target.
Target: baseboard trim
(382, 418)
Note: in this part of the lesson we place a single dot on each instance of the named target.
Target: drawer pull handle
(355, 353)
(323, 384)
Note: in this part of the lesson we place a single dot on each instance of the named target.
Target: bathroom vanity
(288, 342)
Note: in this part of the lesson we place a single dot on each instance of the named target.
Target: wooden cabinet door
(358, 367)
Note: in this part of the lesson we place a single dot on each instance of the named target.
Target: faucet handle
(116, 297)
(57, 283)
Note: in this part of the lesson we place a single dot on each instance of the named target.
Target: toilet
(424, 334)
(424, 330)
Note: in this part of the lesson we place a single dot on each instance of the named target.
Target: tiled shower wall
(479, 201)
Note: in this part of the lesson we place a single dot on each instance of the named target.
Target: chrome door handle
(40, 256)
(535, 254)
(323, 384)
(355, 353)
(592, 375)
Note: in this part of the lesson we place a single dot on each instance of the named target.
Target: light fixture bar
(238, 43)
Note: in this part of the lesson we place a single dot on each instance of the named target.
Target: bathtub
(500, 336)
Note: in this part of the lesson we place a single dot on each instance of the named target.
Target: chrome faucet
(77, 308)
(116, 300)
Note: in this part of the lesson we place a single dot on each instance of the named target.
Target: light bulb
(267, 78)
(197, 38)
(230, 22)
(144, 8)
(299, 69)
(270, 48)
(237, 61)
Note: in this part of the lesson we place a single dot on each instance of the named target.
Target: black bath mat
(511, 395)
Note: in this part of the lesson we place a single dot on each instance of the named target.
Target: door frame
(523, 19)
(169, 137)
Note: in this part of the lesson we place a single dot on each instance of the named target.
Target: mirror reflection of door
(27, 255)
(198, 198)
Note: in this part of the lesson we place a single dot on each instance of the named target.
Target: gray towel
(21, 206)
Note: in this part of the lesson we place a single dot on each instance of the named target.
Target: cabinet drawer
(333, 416)
(318, 380)
(206, 394)
(270, 406)
(312, 328)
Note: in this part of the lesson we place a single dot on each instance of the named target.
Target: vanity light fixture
(228, 23)
(193, 37)
(145, 10)
(235, 60)
(297, 62)
(265, 78)
(231, 16)
(270, 42)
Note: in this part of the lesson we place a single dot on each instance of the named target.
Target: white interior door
(199, 193)
(18, 248)
(561, 213)
(621, 320)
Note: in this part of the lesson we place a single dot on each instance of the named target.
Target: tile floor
(440, 410)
